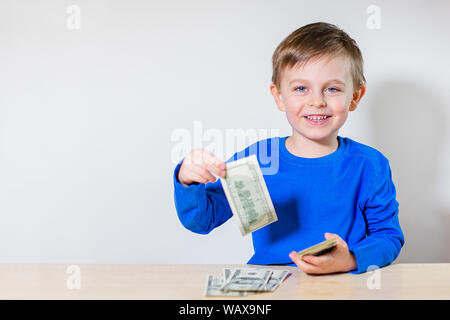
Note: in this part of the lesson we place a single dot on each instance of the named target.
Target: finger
(303, 265)
(215, 169)
(316, 260)
(215, 165)
(339, 240)
(308, 268)
(212, 159)
(195, 173)
(329, 235)
(193, 177)
(294, 257)
(204, 173)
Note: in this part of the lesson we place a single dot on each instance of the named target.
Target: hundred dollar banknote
(248, 279)
(276, 278)
(213, 285)
(247, 194)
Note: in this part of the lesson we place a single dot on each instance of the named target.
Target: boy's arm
(384, 237)
(200, 207)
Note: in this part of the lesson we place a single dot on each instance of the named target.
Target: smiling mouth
(317, 118)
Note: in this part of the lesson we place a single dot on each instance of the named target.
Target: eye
(333, 89)
(300, 89)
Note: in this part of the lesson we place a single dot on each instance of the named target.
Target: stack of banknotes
(319, 249)
(244, 281)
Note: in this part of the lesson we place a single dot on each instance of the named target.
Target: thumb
(339, 240)
(329, 235)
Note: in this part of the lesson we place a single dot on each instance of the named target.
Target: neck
(301, 146)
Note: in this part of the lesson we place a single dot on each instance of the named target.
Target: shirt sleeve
(200, 207)
(384, 237)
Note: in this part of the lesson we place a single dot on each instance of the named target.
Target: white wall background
(86, 118)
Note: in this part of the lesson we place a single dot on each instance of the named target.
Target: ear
(357, 95)
(277, 96)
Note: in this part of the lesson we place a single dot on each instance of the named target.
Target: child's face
(321, 87)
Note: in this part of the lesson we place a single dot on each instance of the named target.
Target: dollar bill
(227, 273)
(319, 249)
(213, 285)
(247, 194)
(276, 278)
(248, 279)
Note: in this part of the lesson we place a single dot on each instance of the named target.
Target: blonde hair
(317, 40)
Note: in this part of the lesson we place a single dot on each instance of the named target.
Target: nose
(316, 100)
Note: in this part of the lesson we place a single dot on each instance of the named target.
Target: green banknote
(247, 194)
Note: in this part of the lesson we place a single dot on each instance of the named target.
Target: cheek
(342, 111)
(293, 114)
(339, 106)
(293, 106)
(341, 115)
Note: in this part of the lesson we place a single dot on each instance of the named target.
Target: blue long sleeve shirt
(348, 192)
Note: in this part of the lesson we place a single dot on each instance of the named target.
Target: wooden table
(174, 282)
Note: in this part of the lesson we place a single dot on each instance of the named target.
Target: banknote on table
(319, 249)
(227, 273)
(247, 279)
(276, 278)
(247, 194)
(213, 285)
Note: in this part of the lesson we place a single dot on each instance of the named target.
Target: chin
(318, 137)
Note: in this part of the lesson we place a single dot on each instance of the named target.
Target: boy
(325, 185)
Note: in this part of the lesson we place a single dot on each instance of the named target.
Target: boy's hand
(198, 166)
(340, 259)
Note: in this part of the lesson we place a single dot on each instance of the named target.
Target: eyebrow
(329, 81)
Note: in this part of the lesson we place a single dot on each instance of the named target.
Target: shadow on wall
(410, 130)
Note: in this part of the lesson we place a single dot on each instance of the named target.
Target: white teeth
(316, 117)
